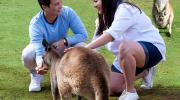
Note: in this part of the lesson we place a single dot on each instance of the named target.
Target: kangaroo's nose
(160, 19)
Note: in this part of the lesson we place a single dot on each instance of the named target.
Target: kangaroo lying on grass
(80, 71)
(163, 14)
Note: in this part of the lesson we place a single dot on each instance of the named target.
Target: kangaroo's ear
(157, 7)
(46, 45)
(58, 50)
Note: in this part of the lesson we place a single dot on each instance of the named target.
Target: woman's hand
(68, 49)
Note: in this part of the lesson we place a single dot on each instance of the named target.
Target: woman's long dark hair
(107, 16)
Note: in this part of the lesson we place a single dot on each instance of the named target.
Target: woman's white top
(130, 24)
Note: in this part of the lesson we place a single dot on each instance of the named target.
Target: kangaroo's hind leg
(54, 88)
(78, 97)
(169, 26)
(64, 90)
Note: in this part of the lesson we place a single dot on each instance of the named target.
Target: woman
(131, 37)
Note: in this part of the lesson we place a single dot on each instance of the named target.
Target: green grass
(15, 16)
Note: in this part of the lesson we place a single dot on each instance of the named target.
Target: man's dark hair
(108, 11)
(44, 2)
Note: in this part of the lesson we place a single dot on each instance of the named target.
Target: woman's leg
(131, 55)
(117, 82)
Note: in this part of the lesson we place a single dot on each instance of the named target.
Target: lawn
(15, 16)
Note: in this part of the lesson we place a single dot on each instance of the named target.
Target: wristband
(65, 42)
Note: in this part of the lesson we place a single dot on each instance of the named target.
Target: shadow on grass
(14, 84)
(165, 32)
(160, 92)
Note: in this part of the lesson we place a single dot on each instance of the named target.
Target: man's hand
(41, 70)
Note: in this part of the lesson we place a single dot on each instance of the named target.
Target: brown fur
(80, 71)
(163, 14)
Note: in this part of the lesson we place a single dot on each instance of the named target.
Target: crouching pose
(80, 71)
(131, 37)
(51, 23)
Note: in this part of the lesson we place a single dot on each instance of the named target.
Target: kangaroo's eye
(164, 13)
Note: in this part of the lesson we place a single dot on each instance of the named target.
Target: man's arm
(36, 38)
(77, 27)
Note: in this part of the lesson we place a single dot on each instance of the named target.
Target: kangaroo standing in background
(81, 71)
(163, 14)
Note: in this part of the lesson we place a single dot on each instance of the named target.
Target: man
(51, 24)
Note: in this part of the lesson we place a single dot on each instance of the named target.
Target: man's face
(54, 7)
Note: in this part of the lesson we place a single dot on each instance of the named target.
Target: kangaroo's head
(52, 54)
(161, 7)
(162, 15)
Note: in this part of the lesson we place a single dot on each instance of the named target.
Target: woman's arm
(100, 41)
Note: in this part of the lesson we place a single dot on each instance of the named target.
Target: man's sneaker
(148, 79)
(35, 84)
(128, 96)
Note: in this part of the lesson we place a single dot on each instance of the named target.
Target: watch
(65, 42)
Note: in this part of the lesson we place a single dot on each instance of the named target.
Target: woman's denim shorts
(153, 57)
